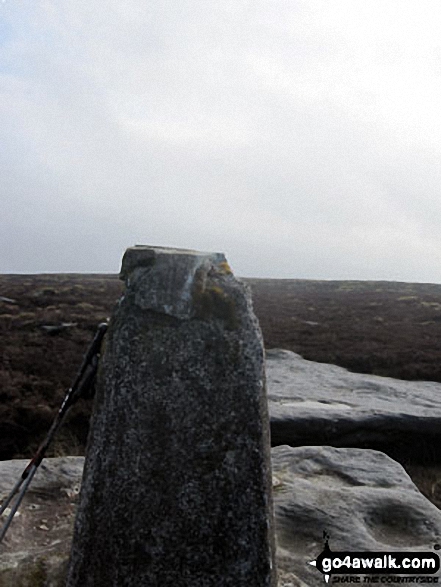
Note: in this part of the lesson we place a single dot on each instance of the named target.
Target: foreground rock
(364, 500)
(177, 481)
(361, 498)
(317, 404)
(35, 550)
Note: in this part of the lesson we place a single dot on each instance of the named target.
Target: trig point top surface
(169, 281)
(145, 256)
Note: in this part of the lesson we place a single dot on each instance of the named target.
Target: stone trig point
(176, 489)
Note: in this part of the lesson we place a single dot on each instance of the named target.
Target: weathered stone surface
(36, 548)
(177, 485)
(364, 500)
(318, 404)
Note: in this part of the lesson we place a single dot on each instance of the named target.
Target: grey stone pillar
(177, 485)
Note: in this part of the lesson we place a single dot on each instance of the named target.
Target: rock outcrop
(361, 498)
(318, 404)
(36, 548)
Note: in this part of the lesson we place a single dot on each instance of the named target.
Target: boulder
(35, 550)
(7, 300)
(318, 404)
(361, 498)
(53, 329)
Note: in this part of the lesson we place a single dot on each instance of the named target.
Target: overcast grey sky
(301, 138)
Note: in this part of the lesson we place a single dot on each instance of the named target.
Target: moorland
(47, 321)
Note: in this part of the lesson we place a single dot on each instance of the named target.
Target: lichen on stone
(225, 268)
(211, 301)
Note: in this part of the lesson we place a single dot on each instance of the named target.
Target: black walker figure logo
(375, 563)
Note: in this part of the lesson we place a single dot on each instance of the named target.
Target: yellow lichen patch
(277, 483)
(216, 290)
(212, 302)
(224, 268)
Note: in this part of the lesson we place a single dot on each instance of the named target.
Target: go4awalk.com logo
(344, 566)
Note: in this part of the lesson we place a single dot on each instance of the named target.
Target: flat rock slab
(37, 545)
(318, 404)
(364, 500)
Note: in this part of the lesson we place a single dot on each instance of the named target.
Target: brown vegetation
(385, 328)
(37, 366)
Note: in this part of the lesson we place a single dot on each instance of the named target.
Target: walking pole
(30, 475)
(83, 381)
